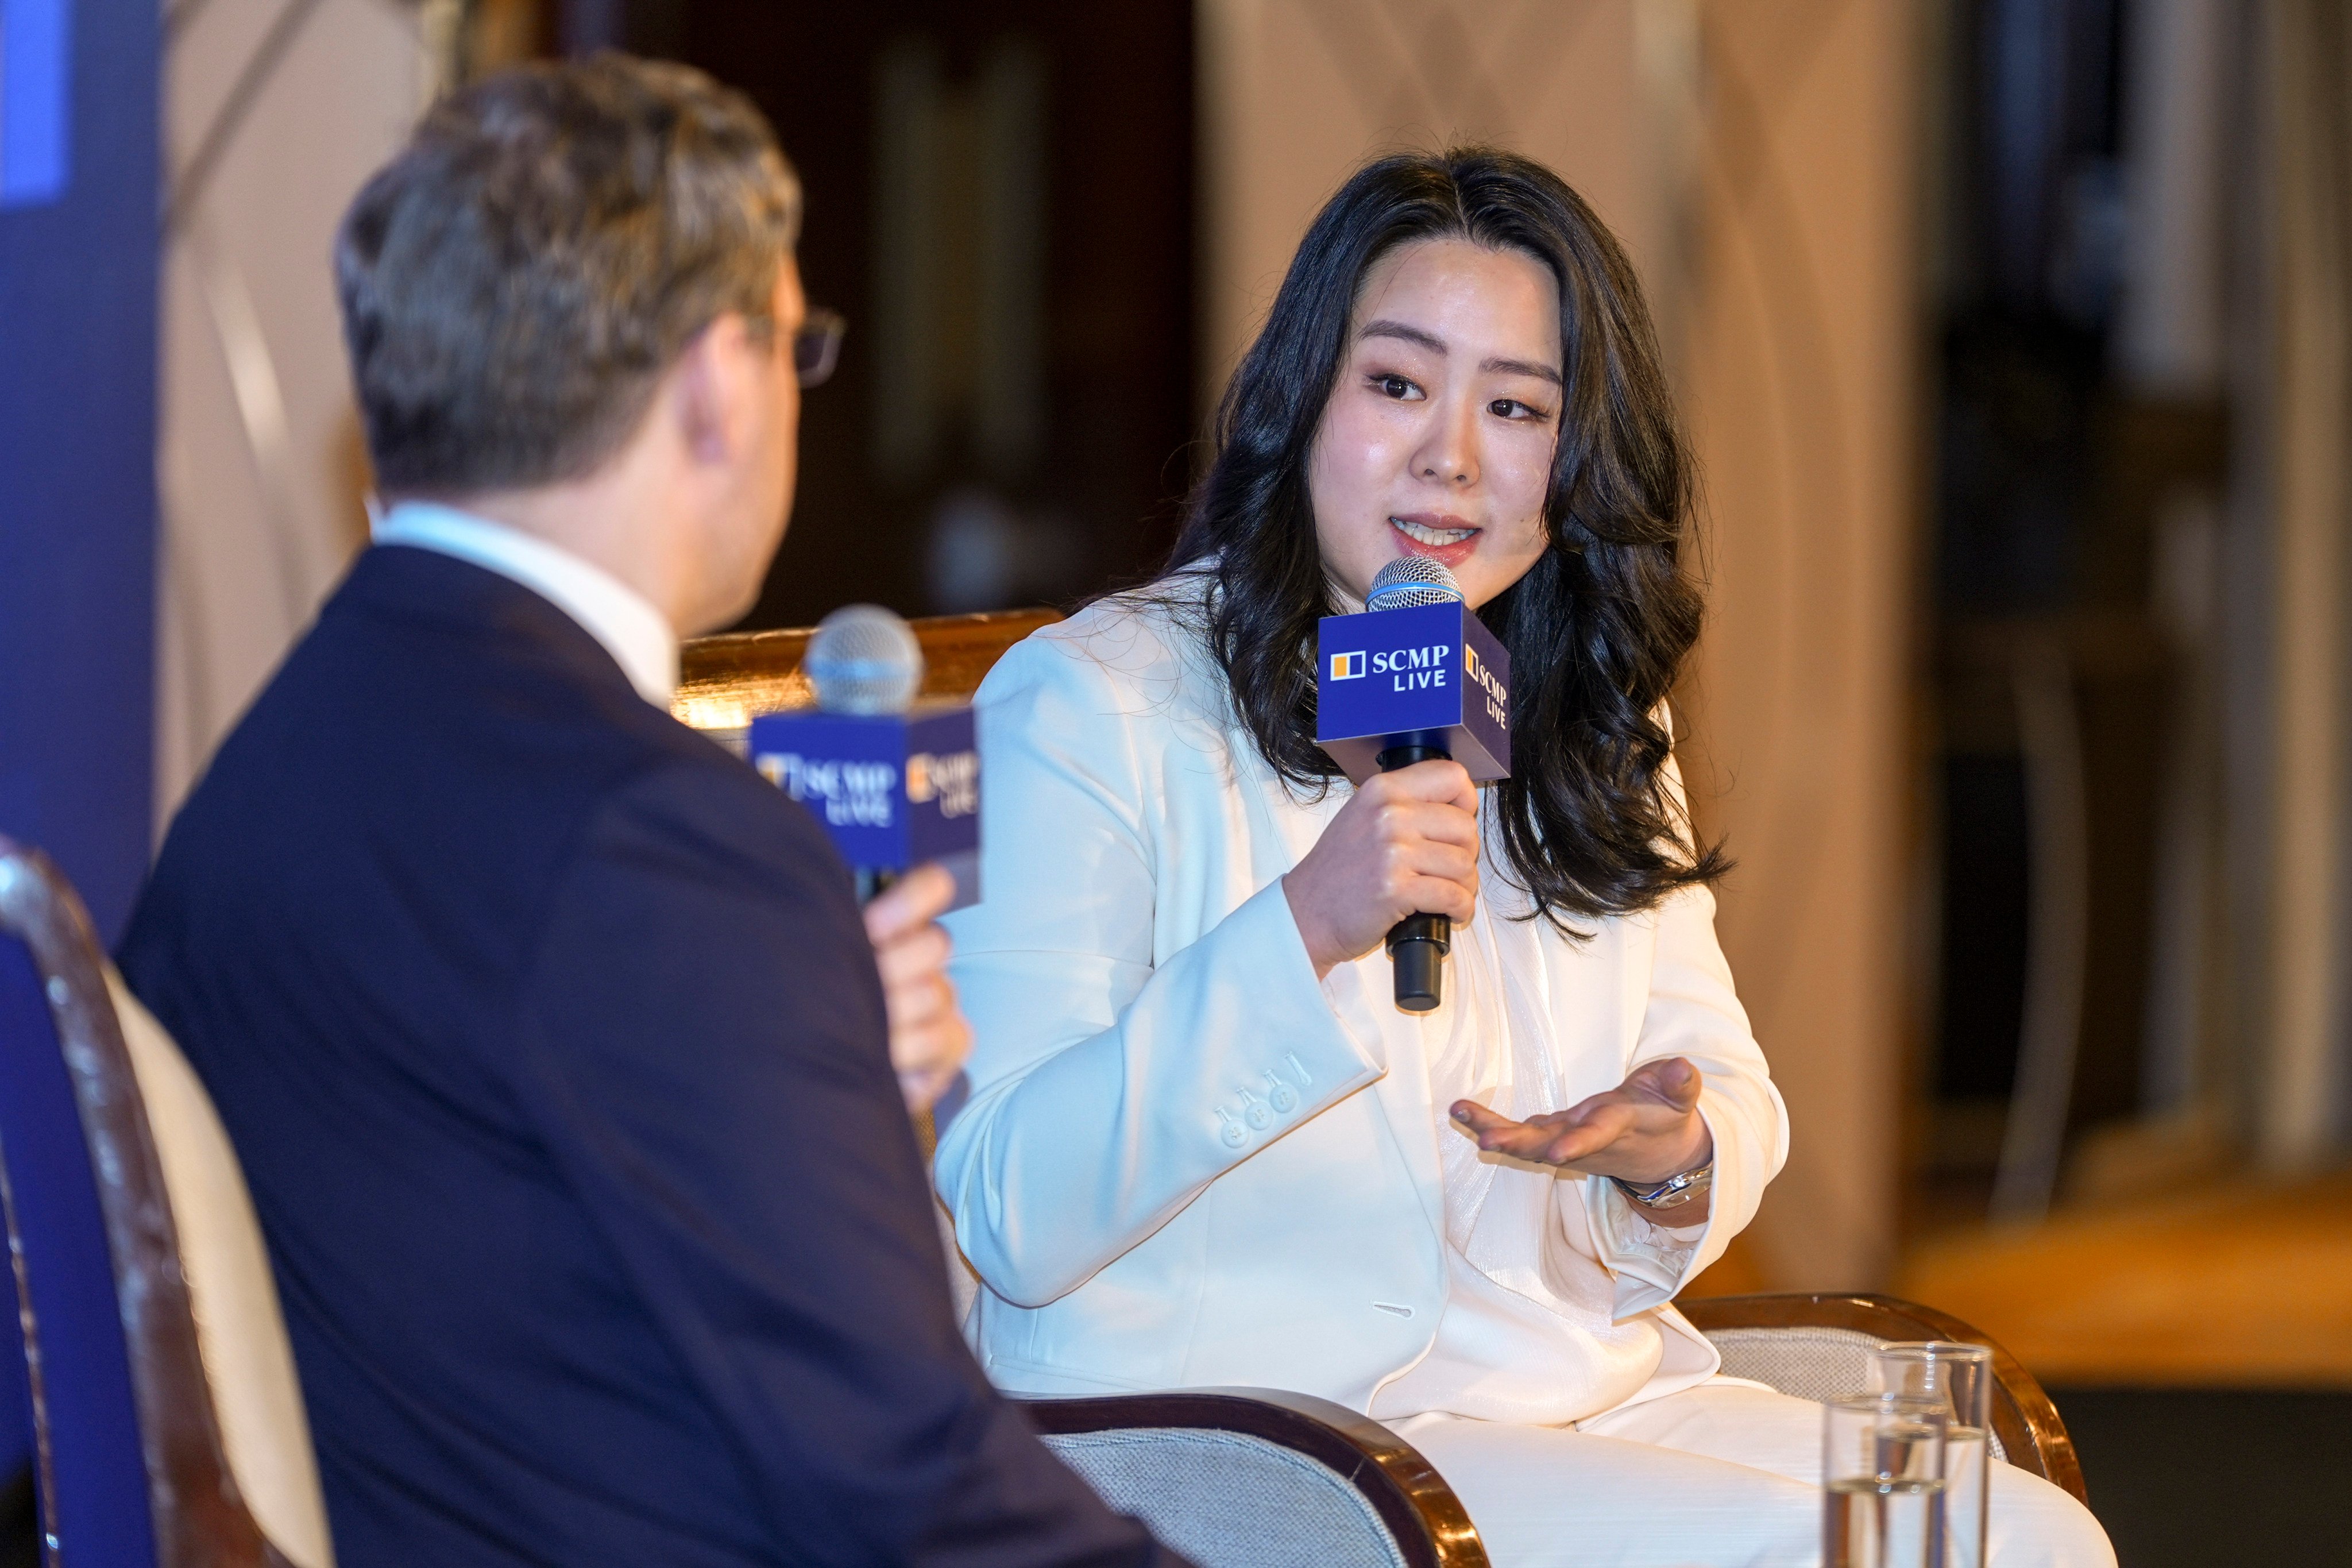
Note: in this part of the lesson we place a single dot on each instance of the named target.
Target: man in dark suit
(548, 1033)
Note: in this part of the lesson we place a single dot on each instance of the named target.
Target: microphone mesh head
(1410, 580)
(864, 659)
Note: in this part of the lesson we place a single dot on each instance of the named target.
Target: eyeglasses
(816, 347)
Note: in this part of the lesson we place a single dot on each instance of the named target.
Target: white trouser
(1724, 1475)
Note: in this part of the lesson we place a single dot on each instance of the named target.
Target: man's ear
(706, 389)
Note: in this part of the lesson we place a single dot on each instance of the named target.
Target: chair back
(90, 1468)
(1817, 1347)
(129, 1462)
(725, 682)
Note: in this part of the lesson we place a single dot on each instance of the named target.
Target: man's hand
(929, 1036)
(1646, 1129)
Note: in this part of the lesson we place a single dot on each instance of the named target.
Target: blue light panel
(35, 100)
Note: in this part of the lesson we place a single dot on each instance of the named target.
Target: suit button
(1284, 1097)
(1232, 1133)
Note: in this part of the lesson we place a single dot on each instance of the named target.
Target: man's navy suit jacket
(555, 1051)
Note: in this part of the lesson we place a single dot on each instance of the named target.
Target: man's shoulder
(416, 772)
(396, 708)
(662, 798)
(705, 804)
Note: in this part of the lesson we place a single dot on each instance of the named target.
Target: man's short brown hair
(517, 281)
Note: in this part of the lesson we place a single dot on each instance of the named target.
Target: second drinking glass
(1959, 1377)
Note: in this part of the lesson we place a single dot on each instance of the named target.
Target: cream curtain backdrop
(2291, 761)
(275, 111)
(1760, 162)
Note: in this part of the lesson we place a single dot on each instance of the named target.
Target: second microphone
(894, 781)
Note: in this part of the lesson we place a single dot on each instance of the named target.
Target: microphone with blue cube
(1415, 676)
(896, 783)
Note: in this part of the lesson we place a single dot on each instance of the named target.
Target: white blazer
(1186, 1161)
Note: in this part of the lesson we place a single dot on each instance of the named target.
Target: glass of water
(1882, 1474)
(1959, 1377)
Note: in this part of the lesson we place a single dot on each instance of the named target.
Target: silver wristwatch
(1674, 1192)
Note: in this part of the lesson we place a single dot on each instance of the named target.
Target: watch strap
(1674, 1192)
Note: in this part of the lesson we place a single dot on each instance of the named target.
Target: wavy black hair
(1597, 628)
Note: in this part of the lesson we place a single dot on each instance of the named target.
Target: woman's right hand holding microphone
(1407, 843)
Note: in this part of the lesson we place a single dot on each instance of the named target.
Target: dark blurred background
(1001, 201)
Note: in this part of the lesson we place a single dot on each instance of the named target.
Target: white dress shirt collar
(637, 635)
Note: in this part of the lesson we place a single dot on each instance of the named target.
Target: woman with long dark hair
(1203, 1146)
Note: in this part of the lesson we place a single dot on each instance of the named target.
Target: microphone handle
(1418, 943)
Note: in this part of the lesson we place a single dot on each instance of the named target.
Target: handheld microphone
(1415, 675)
(895, 782)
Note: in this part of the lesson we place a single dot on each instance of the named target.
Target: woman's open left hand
(1646, 1129)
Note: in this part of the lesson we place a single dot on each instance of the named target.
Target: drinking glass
(1883, 1475)
(1958, 1377)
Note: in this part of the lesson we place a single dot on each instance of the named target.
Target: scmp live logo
(953, 779)
(1418, 668)
(861, 794)
(1411, 668)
